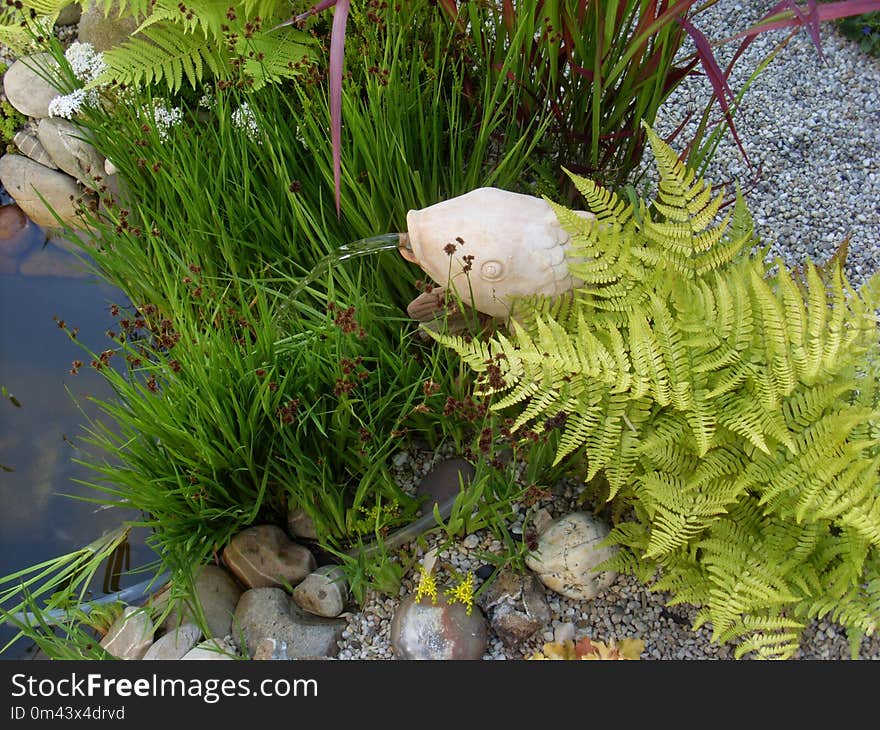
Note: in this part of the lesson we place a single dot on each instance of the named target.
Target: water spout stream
(349, 251)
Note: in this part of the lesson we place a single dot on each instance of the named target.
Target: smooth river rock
(443, 631)
(29, 145)
(263, 556)
(269, 613)
(175, 643)
(22, 177)
(299, 524)
(218, 595)
(130, 635)
(69, 15)
(63, 142)
(26, 89)
(324, 592)
(516, 606)
(12, 222)
(443, 483)
(212, 649)
(104, 31)
(567, 553)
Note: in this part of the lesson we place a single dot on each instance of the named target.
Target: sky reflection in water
(38, 440)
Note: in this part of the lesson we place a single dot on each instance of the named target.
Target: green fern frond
(274, 57)
(795, 315)
(733, 409)
(742, 415)
(15, 38)
(817, 316)
(856, 484)
(171, 44)
(775, 331)
(608, 208)
(165, 54)
(44, 7)
(602, 448)
(773, 637)
(579, 427)
(647, 358)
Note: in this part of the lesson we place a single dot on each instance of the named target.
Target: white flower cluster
(87, 63)
(69, 104)
(243, 118)
(166, 116)
(207, 100)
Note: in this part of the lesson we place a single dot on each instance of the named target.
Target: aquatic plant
(245, 245)
(30, 597)
(224, 418)
(731, 407)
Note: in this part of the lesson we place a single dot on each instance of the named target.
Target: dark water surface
(38, 440)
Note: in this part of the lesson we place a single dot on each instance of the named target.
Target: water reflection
(40, 280)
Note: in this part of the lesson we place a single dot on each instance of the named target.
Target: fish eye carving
(492, 270)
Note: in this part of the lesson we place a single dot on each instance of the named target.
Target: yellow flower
(463, 593)
(427, 585)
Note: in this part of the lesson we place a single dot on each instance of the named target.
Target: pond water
(39, 280)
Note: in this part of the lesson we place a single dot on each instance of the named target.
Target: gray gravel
(625, 610)
(812, 133)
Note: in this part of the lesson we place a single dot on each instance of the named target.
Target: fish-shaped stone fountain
(488, 247)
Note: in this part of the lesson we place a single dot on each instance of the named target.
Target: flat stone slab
(25, 87)
(26, 180)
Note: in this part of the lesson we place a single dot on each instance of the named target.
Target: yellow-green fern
(731, 405)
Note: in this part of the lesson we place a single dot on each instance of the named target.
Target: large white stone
(26, 89)
(567, 553)
(25, 180)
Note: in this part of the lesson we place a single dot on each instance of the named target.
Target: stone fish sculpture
(488, 247)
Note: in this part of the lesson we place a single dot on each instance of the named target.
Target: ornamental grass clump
(730, 405)
(224, 418)
(234, 401)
